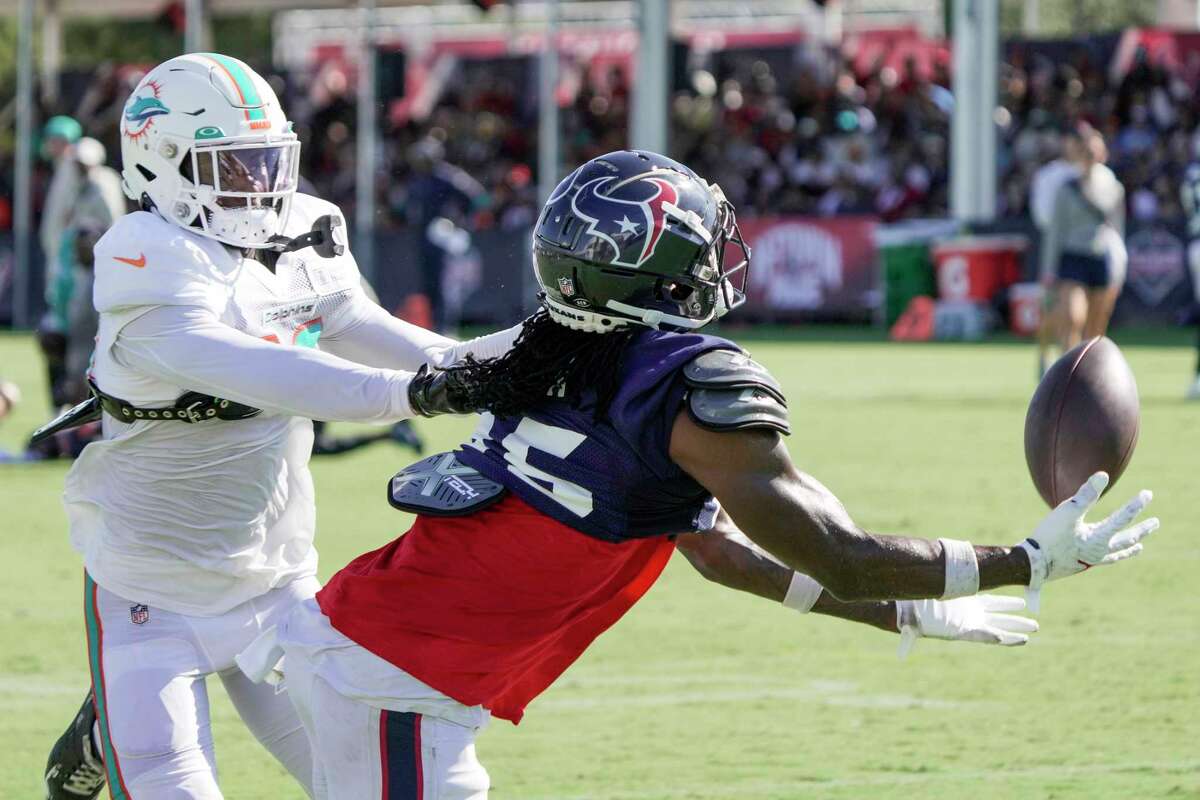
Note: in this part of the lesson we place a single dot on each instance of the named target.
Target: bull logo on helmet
(635, 216)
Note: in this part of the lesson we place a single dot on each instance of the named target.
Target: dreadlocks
(547, 359)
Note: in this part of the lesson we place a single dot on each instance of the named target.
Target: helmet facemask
(734, 280)
(240, 193)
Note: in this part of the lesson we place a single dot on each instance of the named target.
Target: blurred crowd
(787, 130)
(1150, 120)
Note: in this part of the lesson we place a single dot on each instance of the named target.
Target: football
(1084, 417)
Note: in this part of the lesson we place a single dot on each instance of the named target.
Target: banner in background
(806, 267)
(803, 268)
(1157, 288)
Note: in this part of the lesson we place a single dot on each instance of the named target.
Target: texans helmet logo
(633, 224)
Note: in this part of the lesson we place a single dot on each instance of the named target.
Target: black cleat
(75, 768)
(405, 434)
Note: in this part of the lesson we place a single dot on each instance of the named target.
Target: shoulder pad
(328, 275)
(144, 260)
(731, 391)
(304, 212)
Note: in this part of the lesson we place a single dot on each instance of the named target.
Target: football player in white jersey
(231, 315)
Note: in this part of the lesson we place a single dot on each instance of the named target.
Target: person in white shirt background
(1046, 182)
(1083, 255)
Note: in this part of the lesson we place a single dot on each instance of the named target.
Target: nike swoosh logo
(138, 262)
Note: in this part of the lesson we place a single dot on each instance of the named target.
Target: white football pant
(149, 668)
(360, 751)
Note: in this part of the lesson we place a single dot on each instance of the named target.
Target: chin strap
(327, 238)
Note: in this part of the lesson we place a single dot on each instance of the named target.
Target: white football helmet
(204, 141)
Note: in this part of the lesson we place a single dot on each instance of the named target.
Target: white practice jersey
(199, 518)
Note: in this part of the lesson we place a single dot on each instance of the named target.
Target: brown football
(1084, 417)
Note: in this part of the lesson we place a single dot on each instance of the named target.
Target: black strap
(326, 238)
(78, 416)
(190, 407)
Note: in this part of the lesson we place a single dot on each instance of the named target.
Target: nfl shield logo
(566, 286)
(139, 614)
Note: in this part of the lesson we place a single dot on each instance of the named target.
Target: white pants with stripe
(375, 731)
(149, 668)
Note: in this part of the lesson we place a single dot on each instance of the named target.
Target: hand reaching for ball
(1065, 544)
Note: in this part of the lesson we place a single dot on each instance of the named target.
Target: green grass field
(701, 693)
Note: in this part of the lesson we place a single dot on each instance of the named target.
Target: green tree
(1076, 17)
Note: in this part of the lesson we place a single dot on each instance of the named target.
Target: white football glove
(976, 618)
(1064, 544)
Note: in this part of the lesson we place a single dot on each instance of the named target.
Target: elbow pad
(728, 390)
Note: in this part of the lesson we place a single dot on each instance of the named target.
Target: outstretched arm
(188, 347)
(366, 333)
(725, 556)
(798, 521)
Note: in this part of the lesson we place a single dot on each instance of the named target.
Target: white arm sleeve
(367, 334)
(189, 347)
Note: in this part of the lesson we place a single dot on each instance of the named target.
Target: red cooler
(1025, 308)
(976, 268)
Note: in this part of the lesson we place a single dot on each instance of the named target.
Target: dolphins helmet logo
(141, 110)
(633, 218)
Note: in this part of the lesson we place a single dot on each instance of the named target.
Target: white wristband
(802, 593)
(962, 569)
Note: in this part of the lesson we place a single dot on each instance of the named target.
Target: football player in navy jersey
(614, 435)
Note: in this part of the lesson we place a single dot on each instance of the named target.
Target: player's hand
(1065, 544)
(978, 618)
(441, 391)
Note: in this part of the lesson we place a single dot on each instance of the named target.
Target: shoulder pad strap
(731, 391)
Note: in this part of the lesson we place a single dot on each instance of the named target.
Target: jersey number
(558, 442)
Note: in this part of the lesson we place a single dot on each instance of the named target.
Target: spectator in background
(1043, 191)
(1083, 247)
(96, 204)
(101, 200)
(1190, 200)
(441, 199)
(1049, 178)
(83, 322)
(58, 139)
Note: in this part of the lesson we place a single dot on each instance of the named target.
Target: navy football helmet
(634, 237)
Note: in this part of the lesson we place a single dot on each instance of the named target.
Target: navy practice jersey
(613, 480)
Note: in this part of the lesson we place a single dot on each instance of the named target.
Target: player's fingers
(1131, 536)
(1121, 555)
(1010, 639)
(1126, 513)
(1090, 492)
(1008, 622)
(1000, 602)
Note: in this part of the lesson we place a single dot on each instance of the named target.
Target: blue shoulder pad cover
(731, 391)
